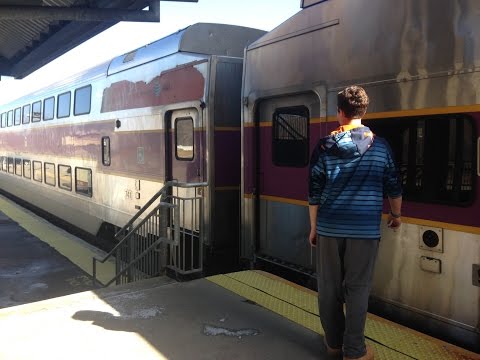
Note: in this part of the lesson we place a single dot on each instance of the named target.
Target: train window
(26, 114)
(48, 108)
(106, 151)
(37, 171)
(4, 164)
(10, 165)
(36, 111)
(63, 105)
(49, 173)
(435, 155)
(65, 177)
(26, 169)
(4, 120)
(184, 139)
(10, 118)
(82, 102)
(83, 181)
(17, 118)
(18, 167)
(290, 138)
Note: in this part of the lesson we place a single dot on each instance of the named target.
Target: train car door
(287, 129)
(186, 163)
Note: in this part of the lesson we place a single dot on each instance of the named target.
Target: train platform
(39, 260)
(244, 315)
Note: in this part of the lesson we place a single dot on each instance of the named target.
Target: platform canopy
(35, 32)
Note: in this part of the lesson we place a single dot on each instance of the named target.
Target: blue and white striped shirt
(350, 172)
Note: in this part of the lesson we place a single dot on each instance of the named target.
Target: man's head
(353, 102)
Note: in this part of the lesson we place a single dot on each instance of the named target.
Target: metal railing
(170, 235)
(186, 255)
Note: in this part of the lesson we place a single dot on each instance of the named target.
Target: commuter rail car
(419, 61)
(95, 148)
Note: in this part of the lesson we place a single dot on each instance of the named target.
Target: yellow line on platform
(76, 250)
(390, 340)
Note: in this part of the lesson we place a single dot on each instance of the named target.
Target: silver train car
(93, 149)
(419, 61)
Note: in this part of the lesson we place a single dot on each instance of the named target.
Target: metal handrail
(131, 232)
(155, 197)
(161, 192)
(143, 209)
(117, 276)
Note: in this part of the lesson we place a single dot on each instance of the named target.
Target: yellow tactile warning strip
(390, 341)
(76, 250)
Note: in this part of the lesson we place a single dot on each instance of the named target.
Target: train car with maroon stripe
(419, 62)
(95, 148)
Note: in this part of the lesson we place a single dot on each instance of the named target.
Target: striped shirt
(350, 171)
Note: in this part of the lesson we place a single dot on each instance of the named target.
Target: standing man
(350, 171)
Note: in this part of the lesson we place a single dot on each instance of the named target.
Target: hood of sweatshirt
(350, 143)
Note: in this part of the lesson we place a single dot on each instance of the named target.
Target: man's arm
(316, 183)
(393, 187)
(313, 210)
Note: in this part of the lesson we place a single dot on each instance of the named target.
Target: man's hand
(312, 238)
(394, 222)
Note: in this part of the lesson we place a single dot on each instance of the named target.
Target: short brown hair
(353, 101)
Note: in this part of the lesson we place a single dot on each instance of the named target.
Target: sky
(127, 36)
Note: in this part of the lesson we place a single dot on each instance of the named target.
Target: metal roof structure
(35, 32)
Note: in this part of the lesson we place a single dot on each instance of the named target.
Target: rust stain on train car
(178, 85)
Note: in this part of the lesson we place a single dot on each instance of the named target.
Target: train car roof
(329, 45)
(290, 28)
(200, 38)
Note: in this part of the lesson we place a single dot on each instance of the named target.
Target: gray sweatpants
(344, 274)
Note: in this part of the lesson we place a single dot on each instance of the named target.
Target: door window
(290, 137)
(184, 139)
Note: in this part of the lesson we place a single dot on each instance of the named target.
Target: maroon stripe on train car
(249, 159)
(125, 158)
(288, 182)
(84, 141)
(70, 140)
(443, 213)
(275, 180)
(227, 158)
(179, 85)
(275, 175)
(125, 149)
(292, 183)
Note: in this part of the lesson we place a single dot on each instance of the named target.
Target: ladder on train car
(167, 234)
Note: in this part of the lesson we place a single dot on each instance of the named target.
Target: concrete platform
(31, 270)
(39, 260)
(246, 315)
(151, 320)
